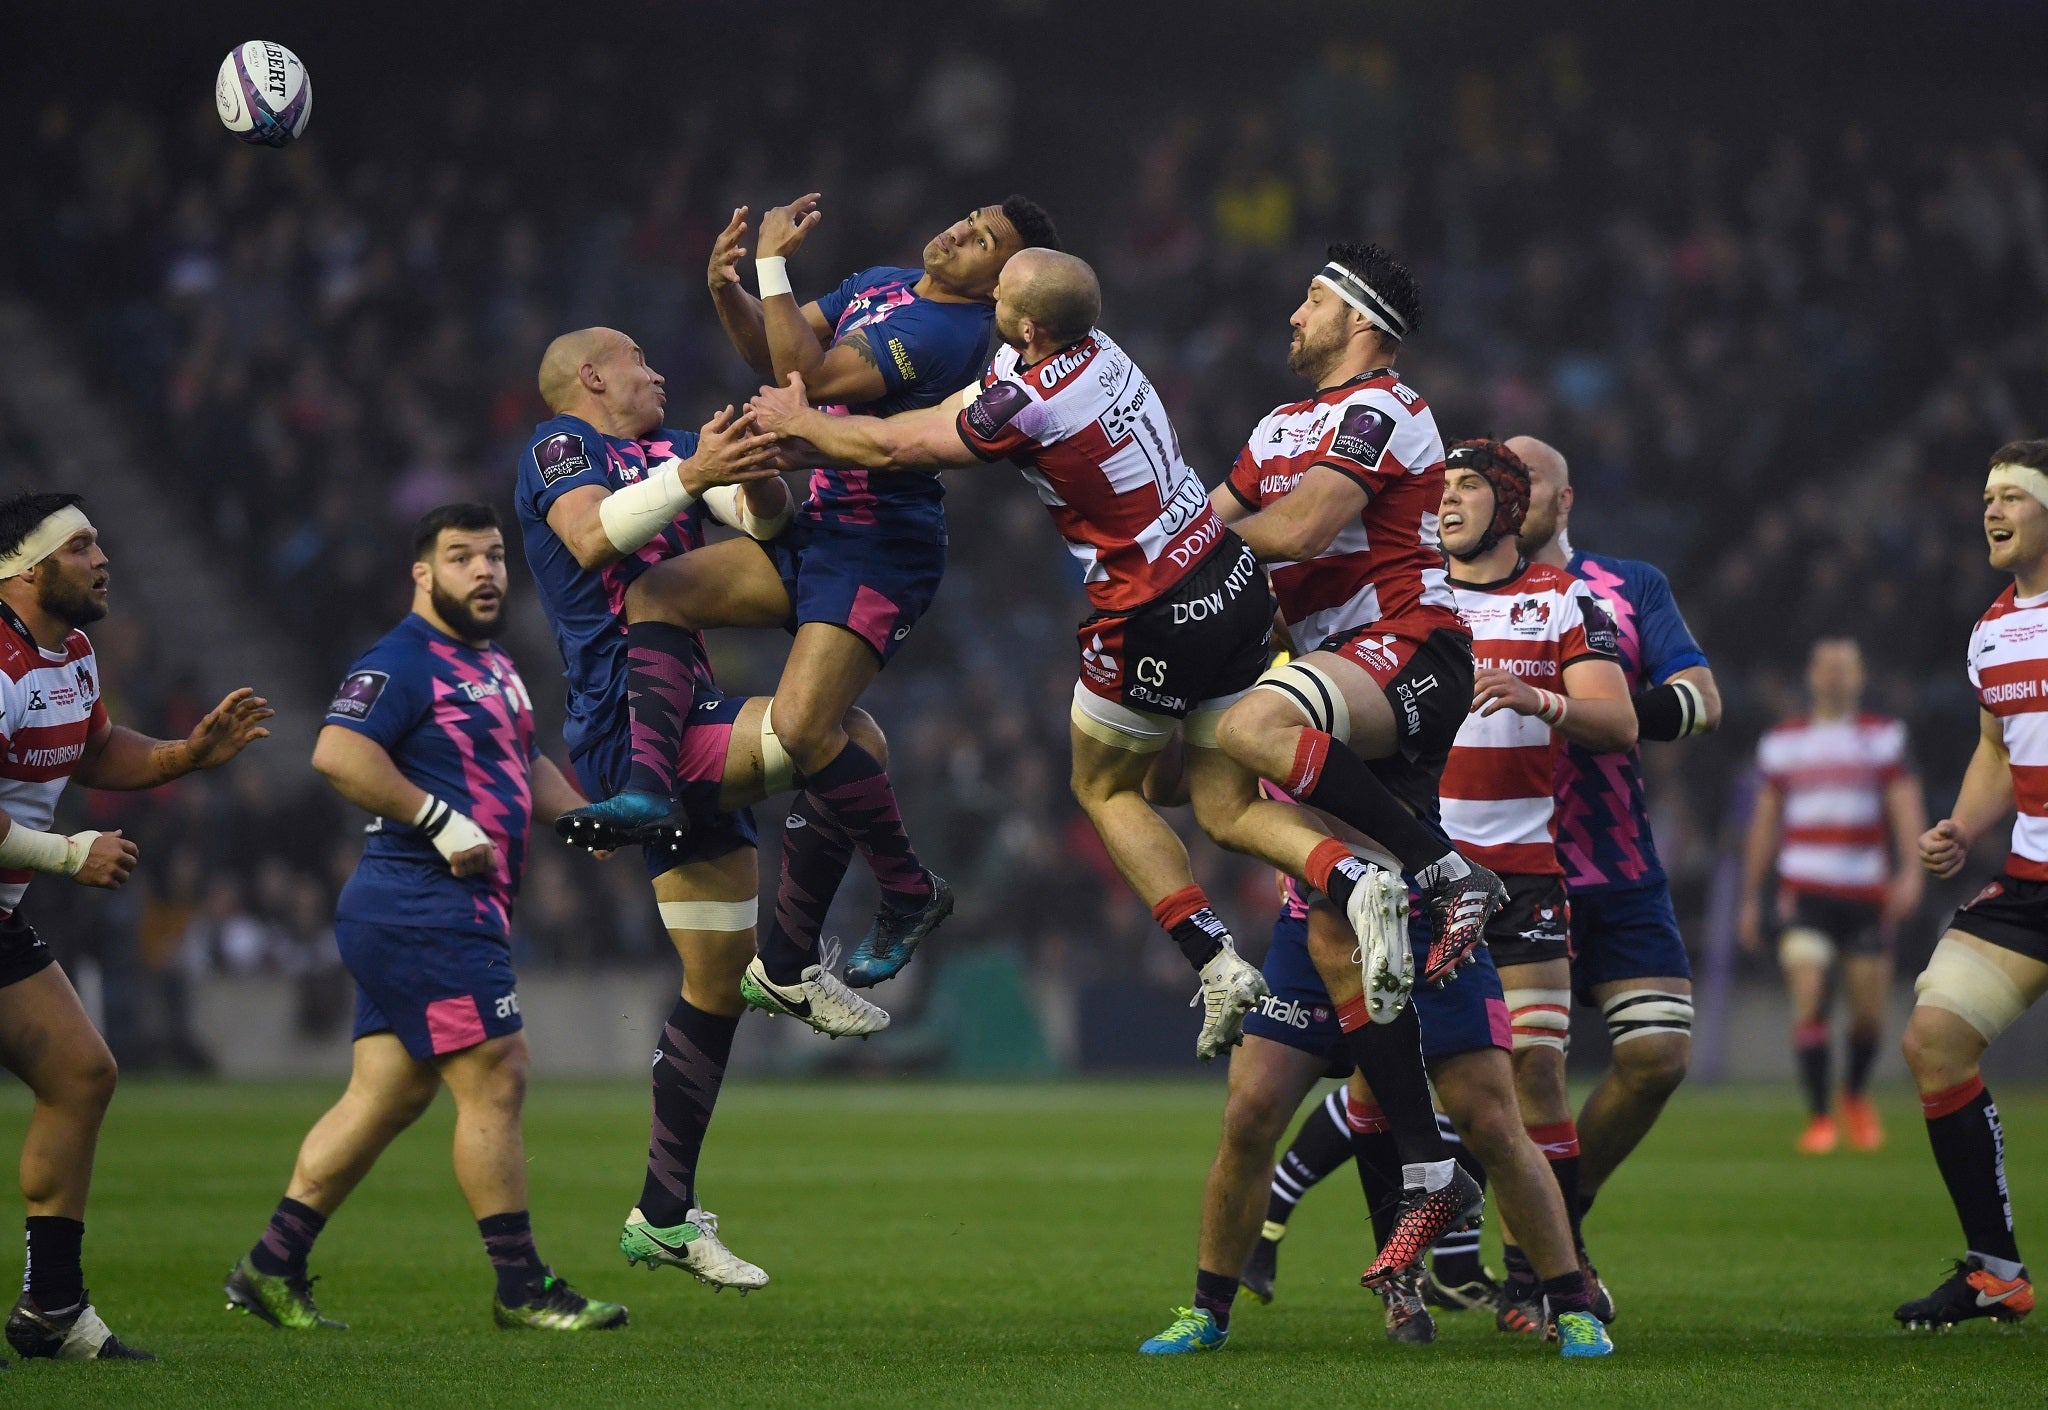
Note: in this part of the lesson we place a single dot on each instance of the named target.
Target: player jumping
(1992, 964)
(432, 732)
(1839, 815)
(1627, 954)
(53, 583)
(850, 577)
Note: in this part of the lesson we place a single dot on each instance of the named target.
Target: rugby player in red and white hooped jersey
(1549, 670)
(54, 728)
(1838, 815)
(1992, 964)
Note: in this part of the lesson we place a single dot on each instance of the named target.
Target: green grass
(1004, 1246)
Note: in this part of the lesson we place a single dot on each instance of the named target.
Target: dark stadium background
(1774, 283)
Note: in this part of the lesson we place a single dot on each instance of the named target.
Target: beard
(69, 599)
(1315, 352)
(457, 613)
(1539, 527)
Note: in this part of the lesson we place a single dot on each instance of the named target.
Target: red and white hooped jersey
(1387, 569)
(1497, 789)
(49, 706)
(2009, 668)
(1087, 428)
(1832, 775)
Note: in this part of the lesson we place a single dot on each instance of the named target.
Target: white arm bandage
(634, 515)
(772, 272)
(45, 851)
(728, 505)
(449, 830)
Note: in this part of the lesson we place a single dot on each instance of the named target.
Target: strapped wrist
(772, 273)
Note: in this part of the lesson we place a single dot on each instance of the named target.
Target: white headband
(2024, 478)
(1364, 298)
(45, 539)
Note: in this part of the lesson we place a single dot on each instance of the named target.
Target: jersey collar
(1521, 567)
(13, 620)
(1386, 371)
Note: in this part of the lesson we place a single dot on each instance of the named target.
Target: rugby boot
(1425, 1216)
(1972, 1290)
(1408, 1318)
(1477, 1294)
(1580, 1334)
(694, 1247)
(1820, 1136)
(1459, 911)
(1378, 912)
(1262, 1269)
(819, 999)
(1521, 1311)
(895, 936)
(1596, 1291)
(553, 1306)
(625, 820)
(1231, 988)
(1192, 1329)
(74, 1334)
(284, 1301)
(1860, 1123)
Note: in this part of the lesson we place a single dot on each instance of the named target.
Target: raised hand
(727, 252)
(729, 453)
(783, 228)
(228, 729)
(775, 409)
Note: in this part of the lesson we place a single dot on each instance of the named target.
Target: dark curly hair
(19, 514)
(1033, 226)
(1389, 278)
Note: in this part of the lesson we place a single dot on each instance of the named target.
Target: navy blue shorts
(1625, 933)
(1466, 1014)
(439, 991)
(874, 585)
(700, 775)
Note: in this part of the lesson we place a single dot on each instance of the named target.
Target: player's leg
(1539, 999)
(48, 1042)
(387, 1091)
(1866, 992)
(1362, 733)
(1319, 1149)
(1806, 953)
(709, 909)
(1267, 1082)
(1971, 991)
(1650, 1023)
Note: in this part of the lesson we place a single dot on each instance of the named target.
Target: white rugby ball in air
(263, 93)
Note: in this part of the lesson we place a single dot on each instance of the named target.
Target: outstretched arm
(119, 758)
(739, 312)
(845, 374)
(928, 439)
(1303, 522)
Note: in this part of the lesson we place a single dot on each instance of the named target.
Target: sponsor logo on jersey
(1098, 664)
(358, 695)
(559, 456)
(1292, 1014)
(1529, 617)
(1519, 667)
(35, 700)
(1601, 633)
(995, 408)
(1058, 368)
(82, 673)
(1363, 435)
(48, 758)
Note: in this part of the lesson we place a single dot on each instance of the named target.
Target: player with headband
(1992, 964)
(54, 728)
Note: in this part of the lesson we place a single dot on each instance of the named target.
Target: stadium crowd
(1777, 367)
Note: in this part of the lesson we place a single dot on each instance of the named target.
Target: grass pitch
(936, 1245)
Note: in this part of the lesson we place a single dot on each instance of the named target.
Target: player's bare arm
(846, 373)
(1985, 798)
(364, 774)
(739, 312)
(1597, 713)
(729, 452)
(1304, 521)
(1905, 811)
(1759, 852)
(928, 439)
(102, 859)
(119, 758)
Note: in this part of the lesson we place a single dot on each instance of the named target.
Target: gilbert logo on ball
(263, 94)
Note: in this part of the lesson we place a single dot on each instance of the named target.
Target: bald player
(1627, 954)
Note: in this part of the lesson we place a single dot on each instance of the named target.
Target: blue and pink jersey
(1603, 822)
(926, 351)
(456, 721)
(587, 609)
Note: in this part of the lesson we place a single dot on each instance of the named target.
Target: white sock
(1449, 867)
(2000, 1267)
(1430, 1174)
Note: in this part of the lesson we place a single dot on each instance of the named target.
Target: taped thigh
(1541, 1018)
(1802, 944)
(1118, 725)
(1972, 987)
(1315, 693)
(711, 915)
(1644, 1013)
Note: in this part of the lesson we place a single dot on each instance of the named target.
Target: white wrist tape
(728, 505)
(772, 271)
(634, 515)
(1550, 707)
(449, 830)
(1693, 720)
(45, 851)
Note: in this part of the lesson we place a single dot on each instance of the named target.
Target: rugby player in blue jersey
(432, 731)
(851, 576)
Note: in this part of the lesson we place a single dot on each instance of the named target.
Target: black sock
(1455, 1257)
(1389, 1057)
(661, 686)
(1329, 776)
(857, 794)
(689, 1066)
(1522, 1280)
(1567, 1293)
(1969, 1146)
(1321, 1145)
(1193, 924)
(1810, 1046)
(1565, 1169)
(815, 854)
(508, 1239)
(54, 1280)
(1214, 1292)
(283, 1249)
(1862, 1054)
(1379, 1176)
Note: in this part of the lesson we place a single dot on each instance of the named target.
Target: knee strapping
(1802, 944)
(1541, 1018)
(1643, 1013)
(1971, 987)
(711, 915)
(778, 769)
(1319, 698)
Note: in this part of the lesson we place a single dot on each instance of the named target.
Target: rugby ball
(263, 93)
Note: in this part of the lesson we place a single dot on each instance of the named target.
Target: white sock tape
(711, 915)
(778, 770)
